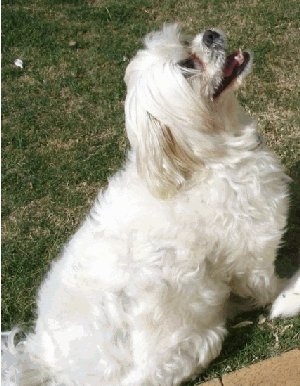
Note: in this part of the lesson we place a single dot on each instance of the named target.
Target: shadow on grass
(289, 254)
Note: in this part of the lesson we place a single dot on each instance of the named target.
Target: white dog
(140, 293)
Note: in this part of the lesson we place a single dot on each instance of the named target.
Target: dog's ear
(164, 123)
(163, 161)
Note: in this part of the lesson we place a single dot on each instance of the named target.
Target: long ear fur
(160, 136)
(164, 162)
(165, 120)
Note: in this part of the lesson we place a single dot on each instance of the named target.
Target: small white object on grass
(245, 323)
(18, 63)
(261, 319)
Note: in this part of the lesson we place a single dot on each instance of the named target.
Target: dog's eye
(187, 63)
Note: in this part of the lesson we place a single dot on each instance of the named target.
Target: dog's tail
(18, 369)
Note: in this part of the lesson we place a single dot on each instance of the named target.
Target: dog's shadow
(288, 259)
(287, 262)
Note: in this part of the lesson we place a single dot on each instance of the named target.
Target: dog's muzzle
(233, 67)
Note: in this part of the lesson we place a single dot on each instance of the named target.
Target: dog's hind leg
(168, 360)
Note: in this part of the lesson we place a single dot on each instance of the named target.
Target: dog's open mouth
(235, 65)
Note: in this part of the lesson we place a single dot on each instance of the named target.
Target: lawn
(63, 129)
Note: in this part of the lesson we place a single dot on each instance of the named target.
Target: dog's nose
(210, 37)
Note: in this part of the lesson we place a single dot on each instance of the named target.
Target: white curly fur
(140, 292)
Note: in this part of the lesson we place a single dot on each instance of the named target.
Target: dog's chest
(254, 190)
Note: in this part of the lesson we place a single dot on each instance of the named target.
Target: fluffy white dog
(140, 293)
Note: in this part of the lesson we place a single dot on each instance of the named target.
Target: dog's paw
(287, 303)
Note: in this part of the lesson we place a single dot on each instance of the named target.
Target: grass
(63, 128)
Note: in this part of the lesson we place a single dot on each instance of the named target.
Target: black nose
(210, 37)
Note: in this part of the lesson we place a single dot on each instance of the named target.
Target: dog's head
(179, 97)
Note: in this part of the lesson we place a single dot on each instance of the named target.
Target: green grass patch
(63, 128)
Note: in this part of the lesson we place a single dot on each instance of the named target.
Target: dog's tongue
(232, 61)
(235, 64)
